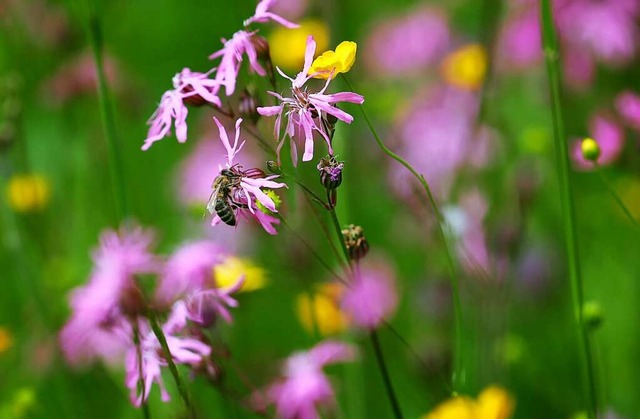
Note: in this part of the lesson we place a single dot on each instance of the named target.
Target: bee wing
(211, 204)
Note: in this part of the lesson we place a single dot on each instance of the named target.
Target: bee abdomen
(225, 212)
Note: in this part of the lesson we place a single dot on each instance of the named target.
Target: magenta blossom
(407, 45)
(98, 326)
(189, 268)
(205, 306)
(304, 387)
(307, 112)
(237, 192)
(628, 106)
(188, 87)
(610, 138)
(263, 15)
(149, 358)
(240, 43)
(371, 297)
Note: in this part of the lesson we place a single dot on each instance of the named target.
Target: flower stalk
(552, 62)
(616, 197)
(458, 369)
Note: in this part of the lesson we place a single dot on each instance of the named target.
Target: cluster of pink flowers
(111, 309)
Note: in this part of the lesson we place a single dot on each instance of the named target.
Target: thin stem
(458, 369)
(339, 236)
(616, 197)
(385, 374)
(136, 341)
(106, 109)
(157, 330)
(551, 54)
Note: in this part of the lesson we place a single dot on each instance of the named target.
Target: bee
(221, 200)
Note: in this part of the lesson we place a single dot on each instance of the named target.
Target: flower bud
(592, 315)
(273, 167)
(590, 149)
(330, 172)
(356, 243)
(261, 45)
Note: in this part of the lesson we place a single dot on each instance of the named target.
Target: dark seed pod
(330, 172)
(356, 242)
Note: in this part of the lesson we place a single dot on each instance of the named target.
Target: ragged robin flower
(307, 112)
(236, 191)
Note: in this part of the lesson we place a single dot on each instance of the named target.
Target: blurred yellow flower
(229, 271)
(321, 310)
(6, 340)
(465, 67)
(28, 193)
(334, 62)
(493, 403)
(287, 46)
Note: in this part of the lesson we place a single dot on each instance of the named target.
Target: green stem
(458, 369)
(106, 109)
(339, 236)
(157, 330)
(385, 374)
(136, 342)
(551, 54)
(616, 197)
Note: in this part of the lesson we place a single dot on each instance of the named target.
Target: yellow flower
(228, 272)
(465, 67)
(321, 312)
(590, 149)
(339, 61)
(287, 46)
(493, 403)
(6, 341)
(27, 193)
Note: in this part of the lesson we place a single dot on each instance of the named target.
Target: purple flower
(610, 138)
(264, 15)
(628, 106)
(519, 43)
(151, 359)
(371, 297)
(237, 192)
(205, 306)
(408, 44)
(98, 326)
(188, 87)
(307, 112)
(231, 53)
(304, 386)
(189, 268)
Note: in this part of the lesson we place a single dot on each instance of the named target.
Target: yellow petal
(334, 62)
(346, 53)
(321, 312)
(455, 408)
(495, 403)
(228, 272)
(465, 67)
(28, 193)
(287, 46)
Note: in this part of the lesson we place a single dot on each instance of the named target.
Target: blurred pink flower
(98, 326)
(579, 68)
(188, 87)
(263, 15)
(147, 367)
(519, 42)
(628, 106)
(605, 28)
(304, 387)
(438, 135)
(371, 297)
(240, 43)
(306, 111)
(407, 44)
(188, 269)
(78, 77)
(205, 306)
(610, 138)
(242, 190)
(290, 9)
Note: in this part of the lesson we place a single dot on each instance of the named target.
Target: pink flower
(189, 268)
(304, 387)
(189, 87)
(628, 106)
(307, 112)
(205, 306)
(98, 326)
(371, 297)
(408, 44)
(236, 192)
(231, 53)
(519, 42)
(264, 15)
(610, 138)
(149, 362)
(606, 28)
(291, 9)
